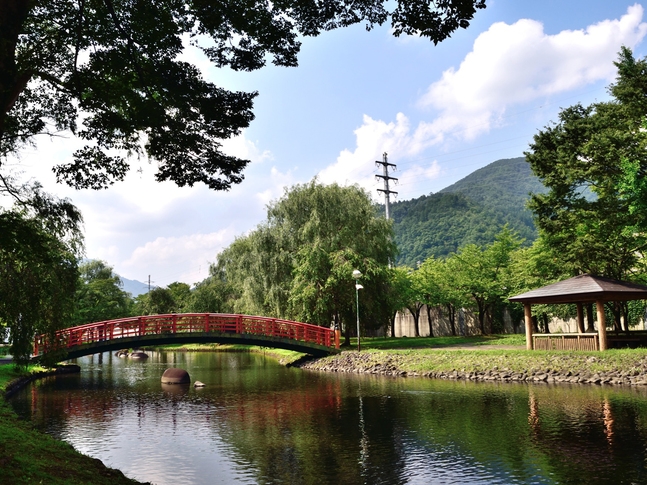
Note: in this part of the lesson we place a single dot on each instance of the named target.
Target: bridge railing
(178, 323)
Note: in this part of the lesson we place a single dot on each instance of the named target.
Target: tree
(181, 294)
(482, 274)
(299, 263)
(38, 278)
(439, 289)
(396, 295)
(111, 73)
(412, 296)
(593, 162)
(157, 301)
(213, 294)
(99, 295)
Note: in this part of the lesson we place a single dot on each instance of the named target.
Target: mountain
(472, 210)
(134, 287)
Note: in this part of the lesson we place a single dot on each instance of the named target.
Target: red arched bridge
(180, 328)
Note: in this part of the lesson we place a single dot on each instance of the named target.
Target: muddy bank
(487, 366)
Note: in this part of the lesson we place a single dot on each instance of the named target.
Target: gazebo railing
(566, 341)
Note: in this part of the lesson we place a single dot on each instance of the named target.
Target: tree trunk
(415, 311)
(451, 313)
(624, 308)
(481, 309)
(431, 330)
(347, 335)
(544, 321)
(615, 309)
(395, 314)
(589, 318)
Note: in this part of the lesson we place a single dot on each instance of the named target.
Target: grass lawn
(386, 343)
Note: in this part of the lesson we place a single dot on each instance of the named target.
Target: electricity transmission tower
(385, 176)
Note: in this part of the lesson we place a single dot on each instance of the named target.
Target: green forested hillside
(472, 210)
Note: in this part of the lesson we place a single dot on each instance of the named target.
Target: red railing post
(174, 323)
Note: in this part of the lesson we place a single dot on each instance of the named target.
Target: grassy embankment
(501, 354)
(28, 456)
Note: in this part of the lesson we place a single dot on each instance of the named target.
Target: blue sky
(440, 112)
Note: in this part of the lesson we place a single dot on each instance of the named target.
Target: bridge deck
(190, 328)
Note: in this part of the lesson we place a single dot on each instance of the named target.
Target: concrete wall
(466, 323)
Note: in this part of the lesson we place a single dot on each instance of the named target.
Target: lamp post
(357, 274)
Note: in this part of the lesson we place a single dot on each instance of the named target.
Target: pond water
(257, 422)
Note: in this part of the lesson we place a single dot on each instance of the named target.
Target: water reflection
(257, 422)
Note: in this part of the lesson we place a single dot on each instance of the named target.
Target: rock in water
(199, 384)
(175, 376)
(138, 354)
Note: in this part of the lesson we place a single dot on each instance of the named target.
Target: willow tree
(299, 262)
(38, 278)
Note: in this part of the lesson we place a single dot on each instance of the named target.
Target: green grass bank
(28, 456)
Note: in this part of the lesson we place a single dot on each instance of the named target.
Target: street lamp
(357, 274)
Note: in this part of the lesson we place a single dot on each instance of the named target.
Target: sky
(439, 112)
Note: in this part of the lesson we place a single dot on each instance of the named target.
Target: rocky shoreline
(395, 365)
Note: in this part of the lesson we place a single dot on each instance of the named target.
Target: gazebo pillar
(527, 313)
(580, 317)
(602, 325)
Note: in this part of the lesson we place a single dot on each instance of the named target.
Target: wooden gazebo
(578, 290)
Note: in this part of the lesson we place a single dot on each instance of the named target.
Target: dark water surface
(257, 422)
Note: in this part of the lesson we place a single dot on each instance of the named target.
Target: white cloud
(518, 63)
(185, 258)
(374, 138)
(508, 65)
(142, 227)
(278, 182)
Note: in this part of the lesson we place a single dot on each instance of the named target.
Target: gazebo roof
(584, 288)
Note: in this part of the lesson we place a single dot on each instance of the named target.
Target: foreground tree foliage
(38, 278)
(111, 72)
(299, 263)
(593, 161)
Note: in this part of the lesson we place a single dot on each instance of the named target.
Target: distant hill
(134, 287)
(472, 210)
